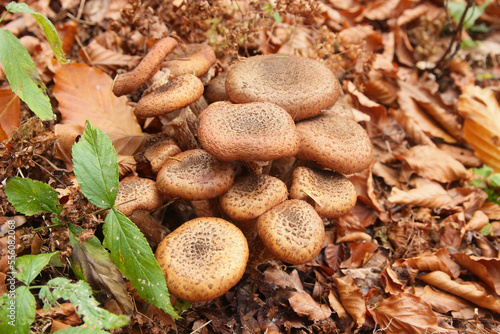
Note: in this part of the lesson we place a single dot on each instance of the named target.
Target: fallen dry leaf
(390, 281)
(352, 299)
(84, 93)
(482, 123)
(439, 260)
(405, 313)
(336, 305)
(467, 290)
(304, 305)
(10, 110)
(487, 269)
(441, 301)
(427, 193)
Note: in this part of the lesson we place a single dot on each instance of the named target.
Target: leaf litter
(418, 253)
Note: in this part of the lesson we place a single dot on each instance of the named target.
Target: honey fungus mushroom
(259, 131)
(301, 86)
(331, 193)
(203, 258)
(196, 59)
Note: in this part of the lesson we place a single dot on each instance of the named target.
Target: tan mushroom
(292, 231)
(334, 142)
(196, 59)
(259, 131)
(331, 193)
(300, 85)
(195, 175)
(203, 258)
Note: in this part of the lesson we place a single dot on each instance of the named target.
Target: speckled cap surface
(203, 258)
(300, 85)
(141, 193)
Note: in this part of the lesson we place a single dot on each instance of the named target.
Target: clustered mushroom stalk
(267, 117)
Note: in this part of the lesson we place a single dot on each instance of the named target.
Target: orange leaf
(443, 302)
(470, 291)
(10, 110)
(352, 299)
(438, 261)
(482, 123)
(84, 93)
(405, 313)
(487, 269)
(304, 305)
(428, 194)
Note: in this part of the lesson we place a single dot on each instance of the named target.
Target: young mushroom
(331, 193)
(301, 86)
(203, 258)
(196, 59)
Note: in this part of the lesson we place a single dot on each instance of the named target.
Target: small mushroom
(216, 88)
(300, 85)
(196, 59)
(334, 142)
(159, 148)
(292, 231)
(195, 175)
(128, 82)
(331, 193)
(203, 258)
(252, 195)
(259, 131)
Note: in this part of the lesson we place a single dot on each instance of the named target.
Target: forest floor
(420, 251)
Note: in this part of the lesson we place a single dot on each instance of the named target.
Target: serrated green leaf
(457, 8)
(92, 263)
(80, 330)
(86, 306)
(31, 197)
(133, 256)
(17, 311)
(47, 26)
(29, 266)
(95, 163)
(23, 76)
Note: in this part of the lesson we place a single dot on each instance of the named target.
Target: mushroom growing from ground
(203, 258)
(196, 59)
(301, 86)
(331, 193)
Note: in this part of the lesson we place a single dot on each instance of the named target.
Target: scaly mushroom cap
(216, 89)
(335, 142)
(300, 85)
(175, 94)
(159, 149)
(141, 193)
(259, 131)
(203, 258)
(196, 60)
(252, 195)
(331, 193)
(292, 231)
(195, 175)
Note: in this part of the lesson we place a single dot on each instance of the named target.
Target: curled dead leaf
(304, 305)
(10, 110)
(352, 299)
(439, 260)
(427, 193)
(487, 269)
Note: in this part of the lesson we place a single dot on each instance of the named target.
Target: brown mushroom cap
(252, 195)
(216, 88)
(334, 142)
(254, 131)
(128, 82)
(300, 85)
(142, 194)
(159, 149)
(331, 193)
(203, 258)
(292, 231)
(197, 60)
(195, 175)
(175, 94)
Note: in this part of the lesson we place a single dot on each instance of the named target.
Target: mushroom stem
(180, 126)
(206, 208)
(150, 226)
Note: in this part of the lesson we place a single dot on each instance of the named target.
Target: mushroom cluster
(262, 164)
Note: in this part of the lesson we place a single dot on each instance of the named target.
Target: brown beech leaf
(336, 305)
(482, 123)
(405, 313)
(100, 56)
(441, 301)
(428, 194)
(468, 290)
(361, 252)
(10, 110)
(440, 260)
(84, 93)
(304, 305)
(66, 137)
(390, 281)
(412, 129)
(435, 164)
(352, 299)
(492, 210)
(282, 279)
(487, 269)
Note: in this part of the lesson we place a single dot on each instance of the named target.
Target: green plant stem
(4, 15)
(50, 226)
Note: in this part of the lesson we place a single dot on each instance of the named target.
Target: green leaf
(92, 263)
(47, 26)
(80, 330)
(80, 294)
(31, 197)
(95, 163)
(495, 180)
(17, 311)
(29, 266)
(23, 76)
(456, 10)
(133, 256)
